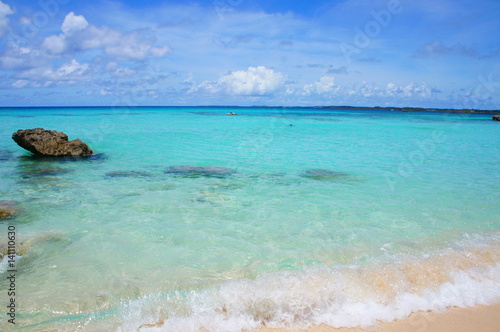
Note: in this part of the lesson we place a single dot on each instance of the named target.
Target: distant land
(378, 108)
(413, 109)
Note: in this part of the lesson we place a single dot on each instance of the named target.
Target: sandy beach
(481, 318)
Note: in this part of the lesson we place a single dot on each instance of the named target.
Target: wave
(339, 296)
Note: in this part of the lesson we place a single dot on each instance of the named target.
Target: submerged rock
(45, 172)
(324, 174)
(496, 117)
(126, 174)
(20, 251)
(206, 196)
(8, 209)
(199, 171)
(24, 247)
(50, 143)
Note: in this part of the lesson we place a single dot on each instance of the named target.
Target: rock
(50, 143)
(206, 196)
(8, 209)
(19, 250)
(324, 174)
(496, 117)
(45, 172)
(199, 171)
(24, 247)
(126, 174)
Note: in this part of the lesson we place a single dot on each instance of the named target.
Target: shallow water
(402, 218)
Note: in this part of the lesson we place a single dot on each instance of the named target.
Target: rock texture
(54, 171)
(496, 117)
(198, 171)
(50, 143)
(8, 209)
(324, 174)
(127, 174)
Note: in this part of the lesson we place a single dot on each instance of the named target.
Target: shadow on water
(39, 159)
(33, 166)
(6, 155)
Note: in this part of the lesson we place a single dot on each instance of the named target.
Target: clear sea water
(408, 222)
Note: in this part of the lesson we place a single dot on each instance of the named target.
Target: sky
(427, 53)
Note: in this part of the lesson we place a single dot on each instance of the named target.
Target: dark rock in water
(496, 117)
(127, 174)
(45, 172)
(8, 209)
(50, 143)
(199, 171)
(324, 174)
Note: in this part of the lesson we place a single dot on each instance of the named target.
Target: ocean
(302, 216)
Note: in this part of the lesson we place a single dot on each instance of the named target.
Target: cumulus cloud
(323, 86)
(5, 11)
(326, 87)
(73, 23)
(255, 81)
(79, 36)
(410, 90)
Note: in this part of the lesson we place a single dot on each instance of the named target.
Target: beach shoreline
(484, 318)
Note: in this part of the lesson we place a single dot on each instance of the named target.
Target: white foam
(340, 296)
(4, 264)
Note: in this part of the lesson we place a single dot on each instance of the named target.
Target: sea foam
(339, 296)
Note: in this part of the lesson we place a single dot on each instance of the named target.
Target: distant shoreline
(376, 108)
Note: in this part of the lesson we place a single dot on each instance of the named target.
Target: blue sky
(432, 53)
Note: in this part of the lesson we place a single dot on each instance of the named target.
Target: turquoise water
(406, 222)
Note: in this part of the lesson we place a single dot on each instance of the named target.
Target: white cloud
(131, 46)
(73, 23)
(78, 36)
(55, 44)
(253, 81)
(67, 74)
(366, 92)
(408, 91)
(324, 85)
(24, 20)
(117, 71)
(20, 84)
(11, 62)
(5, 11)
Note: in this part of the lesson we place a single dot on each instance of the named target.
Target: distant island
(378, 108)
(410, 109)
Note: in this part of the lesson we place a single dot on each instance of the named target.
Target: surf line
(11, 274)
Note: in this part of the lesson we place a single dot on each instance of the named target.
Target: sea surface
(321, 216)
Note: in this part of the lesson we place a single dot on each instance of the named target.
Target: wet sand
(481, 318)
